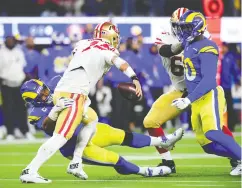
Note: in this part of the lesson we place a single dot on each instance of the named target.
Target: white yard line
(139, 180)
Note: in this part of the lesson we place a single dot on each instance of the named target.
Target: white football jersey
(91, 60)
(173, 65)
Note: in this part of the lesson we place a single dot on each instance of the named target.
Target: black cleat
(234, 163)
(170, 164)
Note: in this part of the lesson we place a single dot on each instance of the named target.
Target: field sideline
(194, 168)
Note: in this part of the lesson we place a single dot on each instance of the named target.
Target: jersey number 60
(177, 68)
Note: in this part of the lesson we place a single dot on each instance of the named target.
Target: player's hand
(138, 88)
(181, 103)
(63, 103)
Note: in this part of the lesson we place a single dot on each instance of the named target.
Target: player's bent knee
(150, 123)
(89, 116)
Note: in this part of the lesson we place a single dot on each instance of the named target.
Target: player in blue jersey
(205, 97)
(94, 153)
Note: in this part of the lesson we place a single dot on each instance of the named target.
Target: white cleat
(27, 177)
(237, 170)
(169, 142)
(76, 170)
(157, 171)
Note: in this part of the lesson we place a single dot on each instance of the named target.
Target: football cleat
(169, 141)
(27, 177)
(76, 170)
(237, 170)
(170, 164)
(233, 163)
(157, 171)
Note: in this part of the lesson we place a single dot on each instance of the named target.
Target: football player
(91, 60)
(162, 111)
(94, 153)
(205, 97)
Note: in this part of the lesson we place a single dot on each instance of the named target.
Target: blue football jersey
(200, 62)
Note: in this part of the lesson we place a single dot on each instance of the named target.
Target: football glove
(61, 104)
(181, 103)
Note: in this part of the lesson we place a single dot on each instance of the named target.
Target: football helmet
(175, 18)
(109, 32)
(36, 92)
(190, 25)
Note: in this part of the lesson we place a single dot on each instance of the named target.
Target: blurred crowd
(106, 7)
(23, 60)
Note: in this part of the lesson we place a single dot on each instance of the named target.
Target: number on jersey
(177, 66)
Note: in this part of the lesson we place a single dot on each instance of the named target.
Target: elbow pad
(165, 51)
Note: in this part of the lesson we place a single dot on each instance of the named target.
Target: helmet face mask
(191, 25)
(175, 18)
(35, 92)
(44, 95)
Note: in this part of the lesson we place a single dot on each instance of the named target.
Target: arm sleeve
(169, 50)
(165, 51)
(208, 70)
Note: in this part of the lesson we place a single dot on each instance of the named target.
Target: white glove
(181, 103)
(61, 104)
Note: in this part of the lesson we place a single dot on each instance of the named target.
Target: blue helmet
(190, 25)
(36, 92)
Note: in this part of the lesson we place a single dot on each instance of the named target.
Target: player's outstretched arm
(123, 66)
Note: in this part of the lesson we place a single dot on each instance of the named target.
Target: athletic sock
(227, 131)
(47, 150)
(233, 149)
(85, 135)
(158, 132)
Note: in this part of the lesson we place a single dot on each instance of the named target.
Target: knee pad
(128, 138)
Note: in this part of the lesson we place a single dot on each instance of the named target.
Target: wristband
(135, 78)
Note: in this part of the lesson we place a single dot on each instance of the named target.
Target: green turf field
(194, 169)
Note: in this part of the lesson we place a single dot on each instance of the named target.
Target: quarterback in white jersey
(91, 60)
